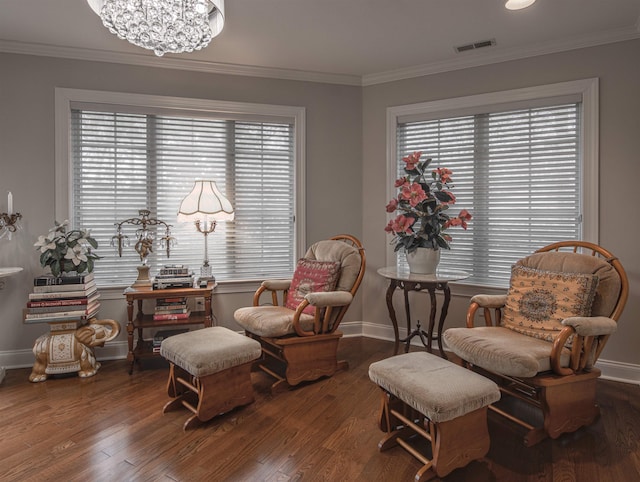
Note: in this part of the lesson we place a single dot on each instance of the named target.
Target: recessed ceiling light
(518, 4)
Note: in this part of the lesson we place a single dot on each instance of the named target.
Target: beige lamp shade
(205, 203)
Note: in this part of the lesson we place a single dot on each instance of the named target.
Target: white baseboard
(619, 371)
(16, 359)
(611, 370)
(115, 350)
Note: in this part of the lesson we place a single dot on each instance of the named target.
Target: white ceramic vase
(423, 260)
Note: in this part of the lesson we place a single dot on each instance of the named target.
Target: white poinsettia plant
(67, 251)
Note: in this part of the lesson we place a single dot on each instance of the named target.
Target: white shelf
(4, 272)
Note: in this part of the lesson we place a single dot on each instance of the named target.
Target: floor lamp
(205, 205)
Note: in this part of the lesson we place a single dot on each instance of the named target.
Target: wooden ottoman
(210, 371)
(444, 403)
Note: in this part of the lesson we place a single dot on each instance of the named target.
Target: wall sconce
(205, 204)
(9, 221)
(144, 243)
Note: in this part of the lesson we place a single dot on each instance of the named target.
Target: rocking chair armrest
(584, 348)
(591, 325)
(490, 301)
(276, 284)
(273, 286)
(486, 303)
(329, 298)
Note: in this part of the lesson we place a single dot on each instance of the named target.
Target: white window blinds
(123, 162)
(517, 172)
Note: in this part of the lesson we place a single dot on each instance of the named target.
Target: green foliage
(422, 203)
(64, 252)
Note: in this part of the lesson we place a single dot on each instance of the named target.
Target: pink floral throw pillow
(311, 276)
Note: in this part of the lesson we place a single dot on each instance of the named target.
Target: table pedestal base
(431, 283)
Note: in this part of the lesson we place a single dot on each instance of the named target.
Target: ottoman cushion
(210, 350)
(435, 387)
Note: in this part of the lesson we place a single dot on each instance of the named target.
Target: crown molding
(477, 59)
(466, 59)
(174, 63)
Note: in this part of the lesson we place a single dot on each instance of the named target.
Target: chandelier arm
(206, 229)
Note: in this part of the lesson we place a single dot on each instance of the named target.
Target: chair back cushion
(609, 283)
(335, 250)
(311, 276)
(538, 300)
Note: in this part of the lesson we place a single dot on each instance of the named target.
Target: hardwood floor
(111, 428)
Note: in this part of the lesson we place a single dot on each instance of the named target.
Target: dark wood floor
(110, 428)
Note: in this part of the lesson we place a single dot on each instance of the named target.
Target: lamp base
(143, 277)
(204, 281)
(205, 271)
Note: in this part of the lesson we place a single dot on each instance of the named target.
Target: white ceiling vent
(475, 45)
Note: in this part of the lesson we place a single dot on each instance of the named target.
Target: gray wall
(346, 146)
(617, 67)
(27, 83)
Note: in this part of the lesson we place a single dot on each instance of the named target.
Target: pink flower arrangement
(422, 204)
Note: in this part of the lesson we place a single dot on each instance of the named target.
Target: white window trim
(586, 88)
(64, 98)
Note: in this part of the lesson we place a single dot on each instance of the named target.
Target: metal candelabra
(9, 223)
(144, 241)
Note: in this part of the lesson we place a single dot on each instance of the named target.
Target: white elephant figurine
(72, 351)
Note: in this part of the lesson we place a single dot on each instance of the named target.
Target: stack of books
(171, 309)
(62, 298)
(173, 276)
(161, 335)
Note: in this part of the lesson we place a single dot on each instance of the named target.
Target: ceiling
(345, 41)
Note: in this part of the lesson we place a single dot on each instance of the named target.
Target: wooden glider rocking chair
(298, 331)
(542, 359)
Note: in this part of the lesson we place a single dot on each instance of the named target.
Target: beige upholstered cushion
(333, 298)
(336, 250)
(276, 284)
(538, 300)
(609, 284)
(209, 350)
(592, 325)
(490, 301)
(272, 321)
(502, 351)
(437, 388)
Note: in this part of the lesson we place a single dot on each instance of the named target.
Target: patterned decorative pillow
(311, 276)
(538, 300)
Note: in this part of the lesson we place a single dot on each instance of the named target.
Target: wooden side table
(141, 320)
(430, 283)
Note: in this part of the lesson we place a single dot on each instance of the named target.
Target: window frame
(586, 89)
(66, 98)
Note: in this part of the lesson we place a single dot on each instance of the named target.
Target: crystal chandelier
(173, 26)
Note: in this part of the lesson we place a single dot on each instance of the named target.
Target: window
(124, 157)
(521, 165)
